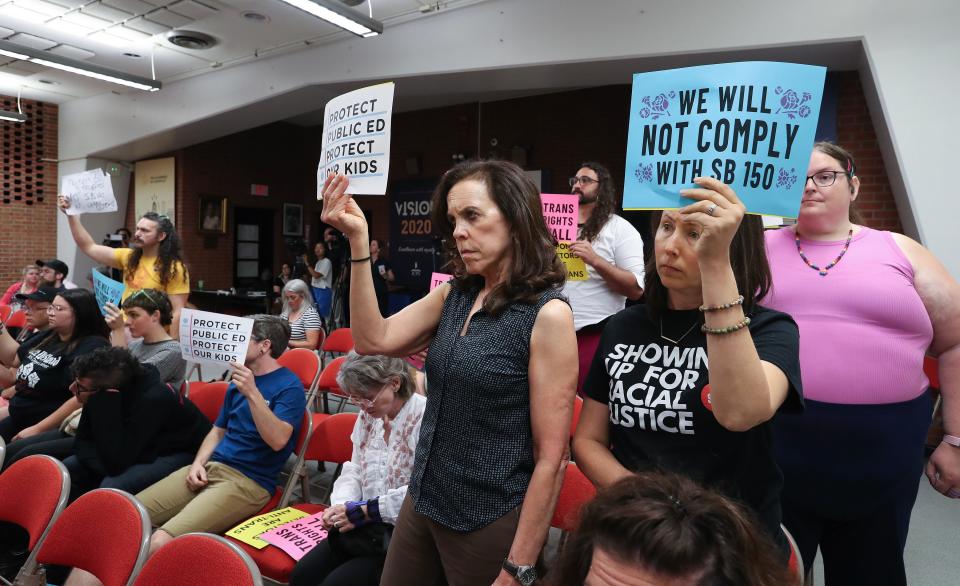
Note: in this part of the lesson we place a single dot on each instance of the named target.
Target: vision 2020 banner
(750, 125)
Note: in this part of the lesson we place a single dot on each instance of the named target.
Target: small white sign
(214, 337)
(90, 192)
(356, 139)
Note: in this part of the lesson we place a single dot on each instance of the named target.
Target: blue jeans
(322, 297)
(132, 480)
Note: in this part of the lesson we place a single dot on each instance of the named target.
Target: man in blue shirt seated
(236, 468)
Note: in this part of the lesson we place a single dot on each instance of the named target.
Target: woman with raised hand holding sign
(869, 304)
(647, 390)
(502, 371)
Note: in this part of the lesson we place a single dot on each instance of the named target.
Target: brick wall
(29, 189)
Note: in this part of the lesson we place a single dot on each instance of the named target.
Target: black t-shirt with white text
(660, 413)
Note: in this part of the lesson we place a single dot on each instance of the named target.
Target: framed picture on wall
(292, 219)
(213, 215)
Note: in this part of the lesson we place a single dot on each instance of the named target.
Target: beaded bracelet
(726, 330)
(734, 303)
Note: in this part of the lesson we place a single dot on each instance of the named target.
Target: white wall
(913, 55)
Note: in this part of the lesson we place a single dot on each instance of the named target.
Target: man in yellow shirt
(154, 262)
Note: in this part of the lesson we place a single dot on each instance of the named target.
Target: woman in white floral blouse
(367, 496)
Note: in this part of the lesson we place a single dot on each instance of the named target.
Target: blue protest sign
(749, 124)
(106, 290)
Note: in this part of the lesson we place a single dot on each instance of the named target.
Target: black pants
(49, 443)
(322, 565)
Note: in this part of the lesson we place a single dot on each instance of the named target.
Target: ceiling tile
(191, 9)
(32, 41)
(86, 20)
(70, 3)
(5, 32)
(106, 12)
(42, 6)
(145, 26)
(168, 18)
(23, 68)
(131, 6)
(16, 11)
(72, 52)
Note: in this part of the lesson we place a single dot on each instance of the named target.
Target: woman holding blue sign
(869, 305)
(647, 392)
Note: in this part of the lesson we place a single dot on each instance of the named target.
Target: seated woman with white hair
(367, 496)
(303, 317)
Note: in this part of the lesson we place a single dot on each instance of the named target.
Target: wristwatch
(952, 440)
(526, 575)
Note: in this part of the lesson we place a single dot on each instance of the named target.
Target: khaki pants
(228, 498)
(422, 552)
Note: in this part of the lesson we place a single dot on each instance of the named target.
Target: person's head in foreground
(379, 385)
(489, 217)
(105, 368)
(656, 529)
(828, 199)
(269, 337)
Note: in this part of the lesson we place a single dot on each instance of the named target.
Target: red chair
(577, 408)
(105, 532)
(3, 449)
(795, 563)
(330, 442)
(18, 319)
(33, 492)
(306, 365)
(576, 491)
(200, 559)
(5, 311)
(340, 341)
(208, 397)
(931, 367)
(327, 384)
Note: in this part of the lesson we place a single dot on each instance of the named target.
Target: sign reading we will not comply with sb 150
(356, 139)
(751, 125)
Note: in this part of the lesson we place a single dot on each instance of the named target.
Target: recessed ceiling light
(255, 16)
(132, 55)
(193, 40)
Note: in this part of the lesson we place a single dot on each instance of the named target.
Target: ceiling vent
(192, 40)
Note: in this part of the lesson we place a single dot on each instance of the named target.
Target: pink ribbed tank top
(863, 328)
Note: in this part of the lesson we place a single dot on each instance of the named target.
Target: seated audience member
(35, 309)
(298, 310)
(367, 496)
(28, 284)
(148, 314)
(42, 398)
(235, 470)
(647, 405)
(665, 529)
(279, 282)
(53, 273)
(135, 428)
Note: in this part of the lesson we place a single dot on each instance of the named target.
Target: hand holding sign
(243, 378)
(340, 210)
(106, 290)
(89, 192)
(113, 316)
(719, 211)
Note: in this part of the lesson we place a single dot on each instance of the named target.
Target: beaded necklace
(823, 272)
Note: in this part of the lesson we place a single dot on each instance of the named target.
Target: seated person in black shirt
(647, 392)
(135, 428)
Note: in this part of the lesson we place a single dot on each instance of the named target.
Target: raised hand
(63, 202)
(718, 212)
(340, 210)
(113, 318)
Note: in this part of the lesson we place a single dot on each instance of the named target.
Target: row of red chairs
(11, 318)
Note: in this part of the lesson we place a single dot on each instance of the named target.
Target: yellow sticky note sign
(248, 531)
(576, 268)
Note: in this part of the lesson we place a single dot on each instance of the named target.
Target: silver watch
(525, 575)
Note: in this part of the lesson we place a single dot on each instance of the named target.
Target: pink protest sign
(297, 537)
(560, 212)
(437, 279)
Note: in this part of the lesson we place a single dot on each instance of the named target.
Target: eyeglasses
(824, 178)
(77, 388)
(57, 308)
(28, 309)
(366, 403)
(582, 180)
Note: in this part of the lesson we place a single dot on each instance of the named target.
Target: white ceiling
(122, 34)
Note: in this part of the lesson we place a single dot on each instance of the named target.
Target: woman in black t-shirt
(649, 405)
(42, 396)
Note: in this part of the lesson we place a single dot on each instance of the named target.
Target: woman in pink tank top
(869, 305)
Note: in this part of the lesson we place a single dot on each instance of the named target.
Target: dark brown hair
(151, 300)
(534, 265)
(169, 252)
(845, 158)
(606, 201)
(670, 525)
(748, 259)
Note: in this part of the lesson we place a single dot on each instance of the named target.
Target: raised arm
(553, 384)
(744, 390)
(940, 294)
(98, 252)
(401, 334)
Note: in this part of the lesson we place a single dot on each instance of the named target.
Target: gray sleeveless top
(475, 454)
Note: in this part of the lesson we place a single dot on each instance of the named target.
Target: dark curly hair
(670, 525)
(534, 265)
(606, 201)
(109, 368)
(169, 253)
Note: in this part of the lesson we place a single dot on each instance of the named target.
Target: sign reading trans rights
(356, 139)
(750, 125)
